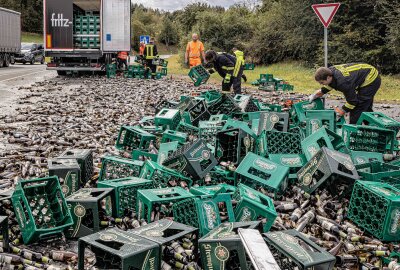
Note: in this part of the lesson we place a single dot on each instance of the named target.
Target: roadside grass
(31, 38)
(301, 77)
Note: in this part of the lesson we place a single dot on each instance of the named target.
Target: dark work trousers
(365, 100)
(236, 82)
(153, 68)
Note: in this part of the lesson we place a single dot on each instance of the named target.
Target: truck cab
(85, 35)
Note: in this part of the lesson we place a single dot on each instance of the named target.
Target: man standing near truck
(150, 53)
(194, 52)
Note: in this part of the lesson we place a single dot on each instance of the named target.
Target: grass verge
(31, 38)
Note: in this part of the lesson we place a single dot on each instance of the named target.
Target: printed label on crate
(309, 106)
(210, 211)
(341, 158)
(215, 256)
(291, 245)
(306, 173)
(361, 160)
(312, 149)
(395, 222)
(315, 125)
(291, 161)
(264, 165)
(246, 214)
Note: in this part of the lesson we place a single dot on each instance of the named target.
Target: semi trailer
(85, 35)
(10, 36)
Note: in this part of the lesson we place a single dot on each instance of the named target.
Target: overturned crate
(276, 142)
(41, 209)
(294, 161)
(125, 193)
(224, 105)
(130, 138)
(298, 110)
(84, 157)
(327, 167)
(380, 172)
(273, 121)
(88, 208)
(168, 119)
(118, 249)
(293, 250)
(68, 172)
(113, 167)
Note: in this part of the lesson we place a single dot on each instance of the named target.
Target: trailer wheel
(12, 60)
(6, 60)
(61, 72)
(1, 60)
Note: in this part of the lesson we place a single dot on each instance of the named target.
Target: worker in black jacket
(224, 64)
(358, 82)
(151, 52)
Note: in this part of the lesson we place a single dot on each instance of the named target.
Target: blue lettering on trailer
(108, 37)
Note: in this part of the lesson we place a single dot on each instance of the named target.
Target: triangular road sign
(325, 12)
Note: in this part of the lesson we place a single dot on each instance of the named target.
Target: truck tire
(6, 60)
(12, 60)
(1, 60)
(33, 61)
(61, 72)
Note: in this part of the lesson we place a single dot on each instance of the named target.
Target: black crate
(224, 105)
(4, 234)
(85, 160)
(68, 172)
(198, 112)
(192, 159)
(273, 120)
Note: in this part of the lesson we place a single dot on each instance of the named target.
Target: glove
(211, 71)
(227, 78)
(339, 113)
(316, 95)
(244, 78)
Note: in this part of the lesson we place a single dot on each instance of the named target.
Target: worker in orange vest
(123, 60)
(142, 48)
(194, 52)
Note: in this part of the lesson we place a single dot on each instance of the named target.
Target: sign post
(325, 13)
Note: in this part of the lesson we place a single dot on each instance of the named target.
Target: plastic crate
(40, 209)
(249, 66)
(166, 233)
(292, 250)
(233, 145)
(258, 172)
(198, 112)
(84, 157)
(192, 159)
(143, 155)
(273, 121)
(266, 78)
(224, 105)
(189, 129)
(163, 176)
(379, 119)
(199, 75)
(5, 238)
(125, 192)
(293, 161)
(375, 207)
(207, 131)
(166, 149)
(284, 87)
(212, 190)
(327, 166)
(88, 208)
(380, 172)
(117, 168)
(68, 172)
(218, 175)
(298, 110)
(253, 205)
(325, 118)
(276, 142)
(130, 138)
(211, 95)
(246, 103)
(361, 157)
(168, 118)
(368, 138)
(171, 136)
(117, 249)
(149, 199)
(222, 247)
(111, 69)
(322, 138)
(268, 86)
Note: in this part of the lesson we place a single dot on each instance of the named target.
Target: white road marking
(22, 76)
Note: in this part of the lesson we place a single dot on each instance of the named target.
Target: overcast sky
(171, 5)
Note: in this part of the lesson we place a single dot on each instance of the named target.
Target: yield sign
(326, 12)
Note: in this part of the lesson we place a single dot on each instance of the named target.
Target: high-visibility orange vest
(141, 49)
(195, 49)
(123, 55)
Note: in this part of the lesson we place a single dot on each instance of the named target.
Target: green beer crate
(375, 207)
(40, 209)
(211, 95)
(268, 86)
(111, 69)
(207, 131)
(163, 176)
(246, 103)
(264, 78)
(362, 157)
(368, 138)
(249, 66)
(380, 120)
(165, 233)
(202, 213)
(172, 136)
(222, 247)
(270, 107)
(166, 149)
(125, 192)
(118, 249)
(219, 117)
(224, 105)
(199, 75)
(327, 166)
(273, 121)
(5, 240)
(277, 142)
(85, 161)
(218, 175)
(168, 119)
(284, 87)
(149, 199)
(298, 110)
(232, 123)
(189, 129)
(88, 207)
(258, 172)
(212, 190)
(294, 251)
(68, 172)
(234, 144)
(130, 138)
(142, 155)
(194, 160)
(294, 161)
(380, 172)
(322, 138)
(320, 118)
(253, 205)
(113, 167)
